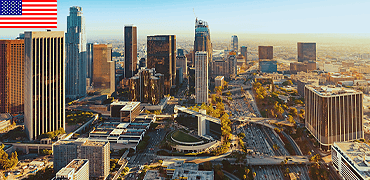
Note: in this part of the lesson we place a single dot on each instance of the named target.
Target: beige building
(104, 74)
(44, 82)
(219, 81)
(334, 114)
(201, 77)
(98, 154)
(77, 169)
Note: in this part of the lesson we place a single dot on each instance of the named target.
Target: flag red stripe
(28, 26)
(39, 13)
(39, 0)
(28, 22)
(39, 9)
(39, 5)
(28, 18)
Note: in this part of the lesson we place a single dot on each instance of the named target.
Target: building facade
(75, 44)
(234, 43)
(11, 76)
(104, 74)
(130, 35)
(201, 77)
(265, 52)
(333, 114)
(161, 52)
(89, 63)
(147, 86)
(181, 62)
(219, 81)
(202, 40)
(351, 159)
(44, 83)
(98, 154)
(302, 66)
(220, 67)
(267, 66)
(77, 169)
(244, 51)
(306, 52)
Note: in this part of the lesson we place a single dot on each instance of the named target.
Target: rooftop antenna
(196, 18)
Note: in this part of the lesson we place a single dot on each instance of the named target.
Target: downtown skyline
(225, 18)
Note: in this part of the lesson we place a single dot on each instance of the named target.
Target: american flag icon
(28, 14)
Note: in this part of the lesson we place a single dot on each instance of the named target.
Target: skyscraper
(244, 51)
(202, 40)
(334, 114)
(234, 43)
(89, 62)
(306, 52)
(104, 74)
(181, 62)
(44, 83)
(75, 54)
(161, 49)
(201, 77)
(173, 58)
(130, 34)
(265, 52)
(11, 76)
(233, 69)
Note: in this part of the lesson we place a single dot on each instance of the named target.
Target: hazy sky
(106, 18)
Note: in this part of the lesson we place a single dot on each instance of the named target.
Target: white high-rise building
(75, 54)
(201, 77)
(44, 82)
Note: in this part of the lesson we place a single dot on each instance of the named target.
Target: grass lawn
(74, 117)
(183, 137)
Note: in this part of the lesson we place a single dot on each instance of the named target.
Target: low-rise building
(153, 175)
(219, 81)
(178, 169)
(77, 169)
(125, 110)
(5, 120)
(351, 159)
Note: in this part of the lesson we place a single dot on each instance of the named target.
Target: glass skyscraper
(202, 40)
(75, 54)
(234, 43)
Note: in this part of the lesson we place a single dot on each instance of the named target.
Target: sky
(106, 18)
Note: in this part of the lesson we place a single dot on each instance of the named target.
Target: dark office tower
(173, 58)
(159, 56)
(202, 40)
(104, 73)
(44, 82)
(75, 54)
(180, 52)
(130, 34)
(265, 52)
(234, 43)
(11, 76)
(89, 63)
(306, 52)
(244, 51)
(142, 63)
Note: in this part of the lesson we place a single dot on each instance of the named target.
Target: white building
(201, 77)
(352, 160)
(77, 169)
(44, 82)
